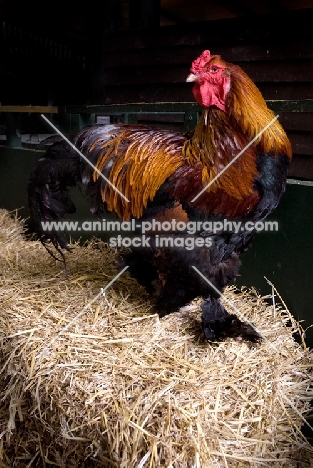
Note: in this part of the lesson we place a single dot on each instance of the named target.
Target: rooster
(166, 176)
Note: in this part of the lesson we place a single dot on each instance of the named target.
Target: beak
(192, 77)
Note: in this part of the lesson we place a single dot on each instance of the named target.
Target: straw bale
(97, 379)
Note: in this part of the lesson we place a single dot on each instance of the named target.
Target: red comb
(199, 63)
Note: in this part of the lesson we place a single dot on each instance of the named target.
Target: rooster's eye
(213, 69)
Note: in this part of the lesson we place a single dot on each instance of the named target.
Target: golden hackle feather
(246, 105)
(214, 144)
(142, 161)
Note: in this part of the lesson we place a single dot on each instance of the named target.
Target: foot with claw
(218, 324)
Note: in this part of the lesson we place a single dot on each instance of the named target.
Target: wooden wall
(40, 68)
(276, 51)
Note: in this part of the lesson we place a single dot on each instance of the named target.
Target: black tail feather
(48, 196)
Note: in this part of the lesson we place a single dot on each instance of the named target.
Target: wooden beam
(30, 109)
(237, 7)
(169, 16)
(301, 105)
(135, 108)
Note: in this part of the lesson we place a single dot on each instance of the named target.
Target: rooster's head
(212, 80)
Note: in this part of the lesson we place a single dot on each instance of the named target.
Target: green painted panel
(15, 167)
(286, 257)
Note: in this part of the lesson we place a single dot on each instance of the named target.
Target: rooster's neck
(214, 145)
(219, 136)
(247, 109)
(207, 140)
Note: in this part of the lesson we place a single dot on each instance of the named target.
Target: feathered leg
(168, 274)
(217, 323)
